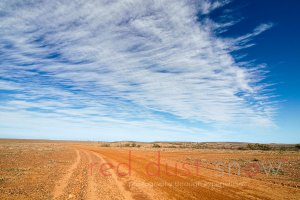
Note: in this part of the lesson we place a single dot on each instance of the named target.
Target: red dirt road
(87, 171)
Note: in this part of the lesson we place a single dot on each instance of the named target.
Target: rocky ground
(80, 170)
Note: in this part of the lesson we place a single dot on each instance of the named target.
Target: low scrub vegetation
(105, 145)
(171, 146)
(257, 146)
(156, 146)
(132, 145)
(198, 146)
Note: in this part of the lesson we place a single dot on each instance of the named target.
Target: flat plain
(41, 169)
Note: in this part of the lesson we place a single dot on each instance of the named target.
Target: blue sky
(180, 70)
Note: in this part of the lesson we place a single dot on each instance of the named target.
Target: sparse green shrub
(257, 146)
(133, 145)
(198, 146)
(297, 146)
(250, 146)
(264, 147)
(156, 146)
(282, 148)
(105, 145)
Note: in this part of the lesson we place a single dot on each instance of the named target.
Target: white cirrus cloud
(149, 62)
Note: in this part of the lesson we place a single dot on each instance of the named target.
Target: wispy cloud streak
(149, 62)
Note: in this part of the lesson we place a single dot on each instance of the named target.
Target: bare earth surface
(66, 170)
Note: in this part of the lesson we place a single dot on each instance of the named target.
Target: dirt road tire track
(63, 182)
(126, 194)
(99, 186)
(91, 190)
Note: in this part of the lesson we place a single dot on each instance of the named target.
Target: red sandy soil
(69, 170)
